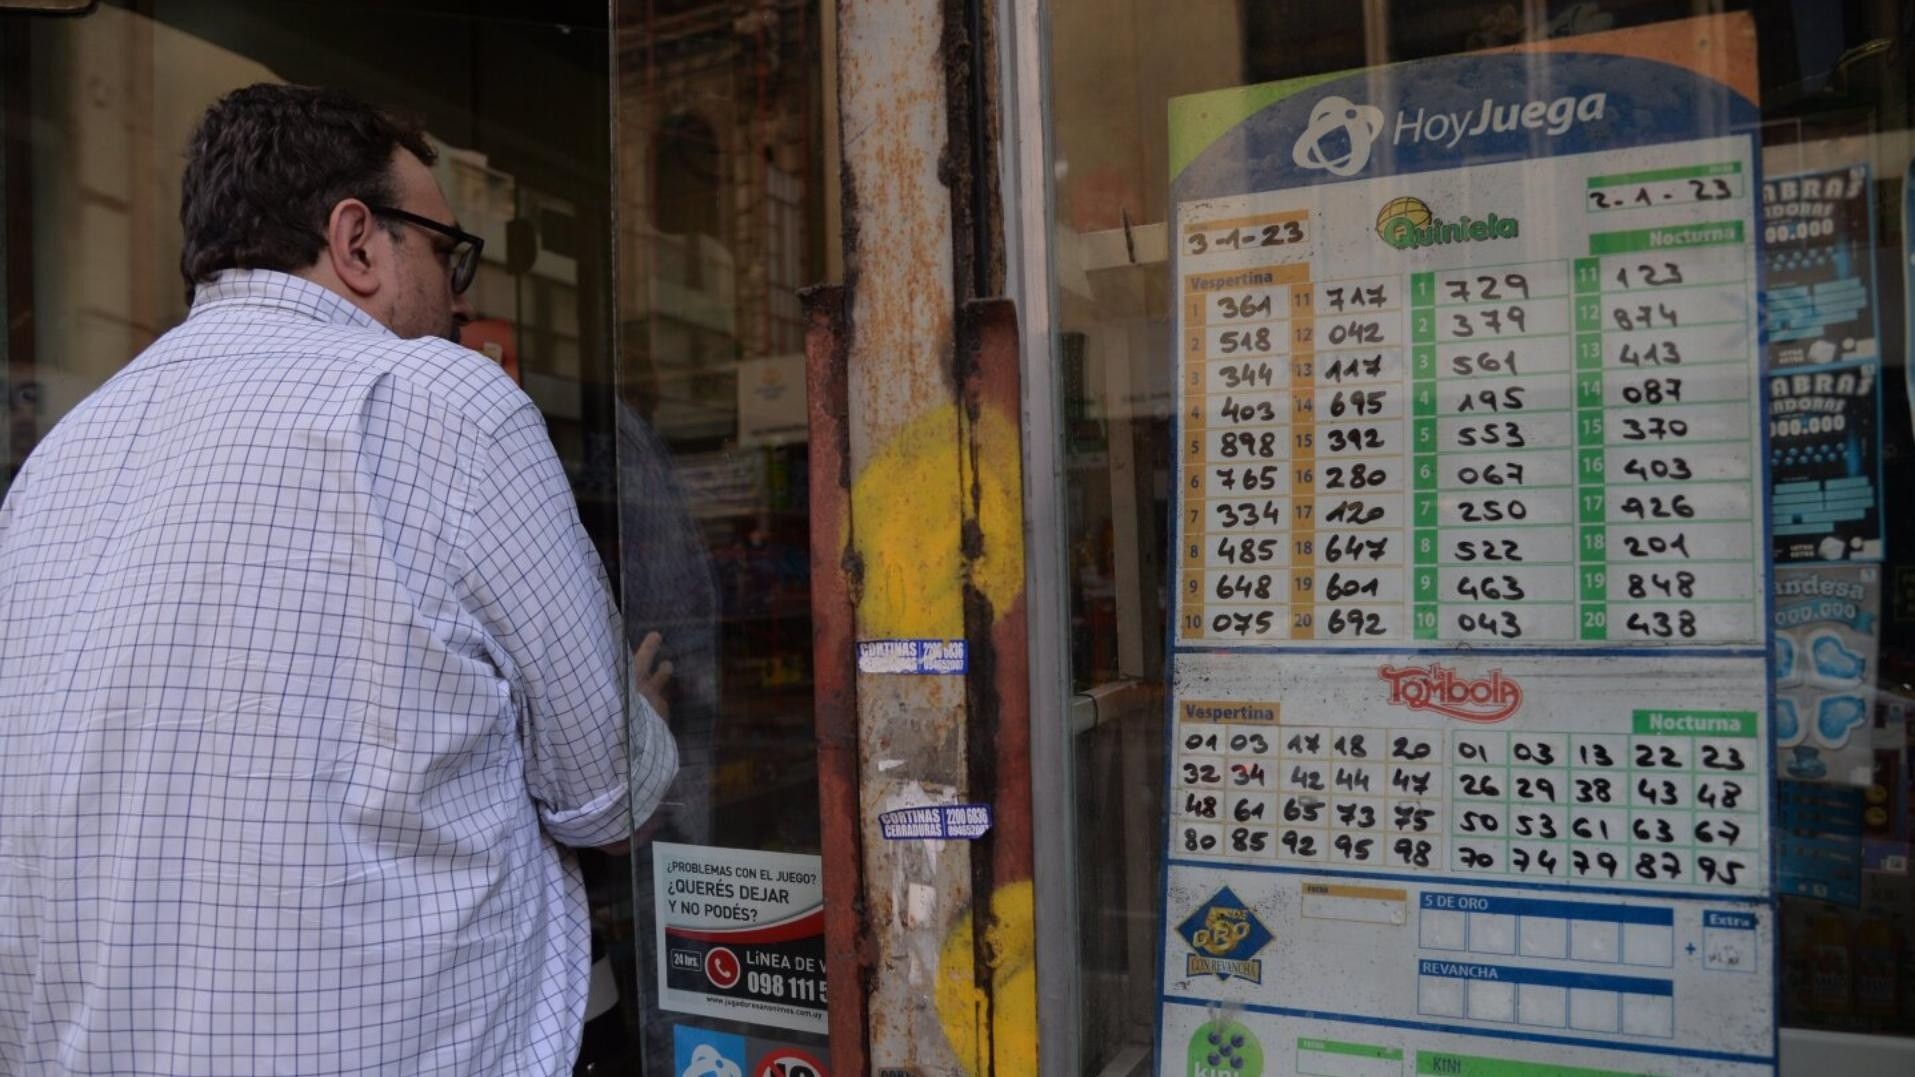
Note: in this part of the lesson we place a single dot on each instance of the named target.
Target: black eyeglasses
(465, 245)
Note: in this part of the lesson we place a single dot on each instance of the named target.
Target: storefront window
(1196, 350)
(721, 172)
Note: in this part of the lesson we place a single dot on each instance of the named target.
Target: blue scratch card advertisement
(1823, 360)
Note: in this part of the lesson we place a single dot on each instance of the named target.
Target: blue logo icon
(1224, 937)
(1339, 136)
(698, 1052)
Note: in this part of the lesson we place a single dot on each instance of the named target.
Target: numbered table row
(1354, 621)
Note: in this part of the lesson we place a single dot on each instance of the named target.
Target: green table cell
(1423, 327)
(1422, 289)
(1590, 464)
(1595, 584)
(1354, 1050)
(1695, 723)
(1426, 585)
(1594, 621)
(1589, 389)
(1426, 552)
(1659, 175)
(1448, 1064)
(1589, 351)
(1423, 361)
(1425, 435)
(1425, 474)
(1593, 546)
(1423, 401)
(1675, 237)
(1588, 315)
(1425, 514)
(1589, 426)
(1588, 276)
(1425, 625)
(1590, 505)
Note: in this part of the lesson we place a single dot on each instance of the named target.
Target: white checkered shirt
(307, 673)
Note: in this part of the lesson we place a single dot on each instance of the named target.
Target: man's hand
(650, 683)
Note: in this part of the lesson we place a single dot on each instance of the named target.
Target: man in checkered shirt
(309, 675)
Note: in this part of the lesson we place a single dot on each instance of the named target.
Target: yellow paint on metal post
(908, 506)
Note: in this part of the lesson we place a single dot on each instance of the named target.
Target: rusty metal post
(917, 517)
(834, 693)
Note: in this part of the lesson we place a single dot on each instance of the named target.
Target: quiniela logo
(1407, 223)
(1439, 688)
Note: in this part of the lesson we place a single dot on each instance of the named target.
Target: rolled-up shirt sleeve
(540, 593)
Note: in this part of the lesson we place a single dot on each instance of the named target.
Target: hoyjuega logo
(1360, 126)
(1448, 128)
(1438, 688)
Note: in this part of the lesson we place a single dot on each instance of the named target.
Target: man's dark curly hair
(269, 162)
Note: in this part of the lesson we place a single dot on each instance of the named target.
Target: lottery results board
(1469, 765)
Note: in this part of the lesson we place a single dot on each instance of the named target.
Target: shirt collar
(270, 289)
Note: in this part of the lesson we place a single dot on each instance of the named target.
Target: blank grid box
(1491, 1001)
(1648, 1015)
(1542, 936)
(1439, 996)
(1539, 1004)
(1492, 933)
(1595, 940)
(1648, 944)
(1442, 929)
(1593, 1011)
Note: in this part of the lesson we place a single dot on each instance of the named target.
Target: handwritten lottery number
(1725, 796)
(1584, 863)
(1649, 275)
(1655, 354)
(1726, 871)
(1410, 817)
(1646, 316)
(1725, 832)
(1493, 321)
(1674, 469)
(1249, 306)
(1660, 624)
(1247, 375)
(1542, 860)
(1246, 840)
(1195, 842)
(1350, 848)
(1488, 287)
(1650, 866)
(1412, 851)
(1243, 624)
(1355, 622)
(1302, 809)
(1717, 758)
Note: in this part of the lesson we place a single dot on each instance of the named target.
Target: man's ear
(349, 237)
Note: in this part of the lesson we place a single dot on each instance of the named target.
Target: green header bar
(1725, 168)
(1705, 234)
(1445, 1064)
(1360, 1050)
(1684, 723)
